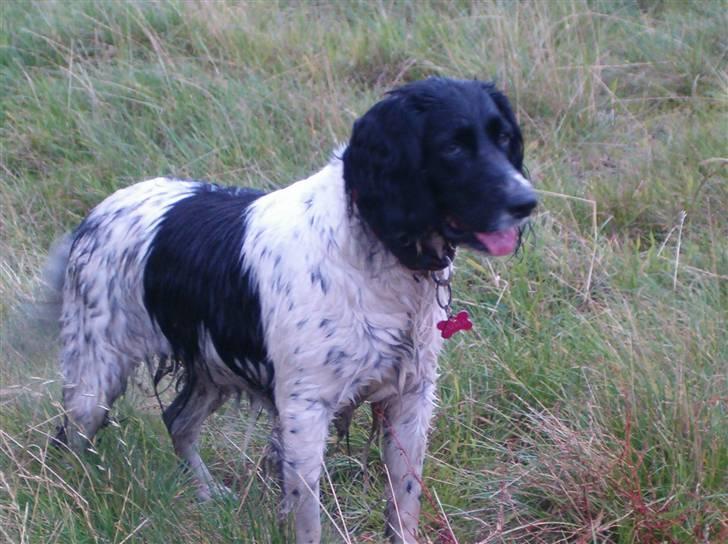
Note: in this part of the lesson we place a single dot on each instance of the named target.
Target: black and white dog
(311, 299)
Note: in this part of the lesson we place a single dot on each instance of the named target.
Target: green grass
(591, 402)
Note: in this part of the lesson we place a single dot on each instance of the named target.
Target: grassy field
(591, 402)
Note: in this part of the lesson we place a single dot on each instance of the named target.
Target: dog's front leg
(405, 420)
(302, 432)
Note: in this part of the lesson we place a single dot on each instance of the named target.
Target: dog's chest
(347, 336)
(340, 314)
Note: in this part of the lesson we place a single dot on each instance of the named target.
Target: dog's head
(436, 164)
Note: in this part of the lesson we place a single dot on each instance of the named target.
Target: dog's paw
(216, 491)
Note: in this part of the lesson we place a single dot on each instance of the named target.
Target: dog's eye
(452, 148)
(503, 140)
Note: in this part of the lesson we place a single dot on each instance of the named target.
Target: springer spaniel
(311, 299)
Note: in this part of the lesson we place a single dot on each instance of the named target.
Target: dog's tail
(47, 306)
(30, 329)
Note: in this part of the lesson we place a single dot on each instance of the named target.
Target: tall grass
(591, 402)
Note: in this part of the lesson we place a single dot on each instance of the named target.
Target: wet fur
(311, 299)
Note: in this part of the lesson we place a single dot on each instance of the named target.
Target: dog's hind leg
(184, 418)
(94, 376)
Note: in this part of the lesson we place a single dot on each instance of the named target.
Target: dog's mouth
(497, 243)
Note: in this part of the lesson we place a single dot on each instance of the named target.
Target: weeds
(588, 405)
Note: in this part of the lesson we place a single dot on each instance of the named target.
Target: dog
(312, 299)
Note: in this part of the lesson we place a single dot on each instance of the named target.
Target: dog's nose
(521, 203)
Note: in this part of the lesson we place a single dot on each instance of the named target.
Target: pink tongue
(499, 243)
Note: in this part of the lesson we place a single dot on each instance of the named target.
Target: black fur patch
(194, 279)
(436, 153)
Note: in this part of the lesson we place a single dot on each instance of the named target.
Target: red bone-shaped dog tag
(455, 323)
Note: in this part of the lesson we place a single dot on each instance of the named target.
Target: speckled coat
(341, 322)
(311, 299)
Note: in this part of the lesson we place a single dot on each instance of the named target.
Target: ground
(589, 403)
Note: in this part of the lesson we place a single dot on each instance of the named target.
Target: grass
(591, 402)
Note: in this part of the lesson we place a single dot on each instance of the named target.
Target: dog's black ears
(515, 147)
(384, 178)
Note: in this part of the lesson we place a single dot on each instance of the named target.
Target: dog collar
(443, 294)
